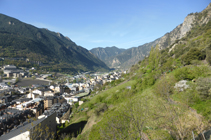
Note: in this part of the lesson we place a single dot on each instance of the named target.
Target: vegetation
(153, 107)
(146, 103)
(25, 45)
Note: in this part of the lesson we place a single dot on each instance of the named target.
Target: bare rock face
(115, 62)
(131, 56)
(181, 30)
(186, 25)
(207, 18)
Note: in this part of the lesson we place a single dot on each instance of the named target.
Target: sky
(104, 23)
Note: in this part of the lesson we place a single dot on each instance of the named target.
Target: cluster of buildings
(12, 71)
(104, 78)
(16, 113)
(46, 103)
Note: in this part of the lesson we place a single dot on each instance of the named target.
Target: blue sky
(104, 23)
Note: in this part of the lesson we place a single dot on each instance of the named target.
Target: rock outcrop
(131, 56)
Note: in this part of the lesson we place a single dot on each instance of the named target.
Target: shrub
(91, 105)
(193, 54)
(99, 99)
(149, 80)
(164, 86)
(101, 108)
(204, 88)
(186, 73)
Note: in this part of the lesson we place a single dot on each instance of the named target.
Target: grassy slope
(158, 118)
(165, 112)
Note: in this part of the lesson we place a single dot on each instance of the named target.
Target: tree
(208, 55)
(154, 57)
(182, 121)
(164, 86)
(204, 88)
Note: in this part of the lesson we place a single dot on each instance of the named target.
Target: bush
(193, 54)
(204, 88)
(164, 87)
(185, 73)
(99, 99)
(149, 80)
(191, 72)
(91, 105)
(101, 108)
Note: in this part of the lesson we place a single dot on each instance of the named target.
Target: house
(12, 71)
(49, 101)
(71, 100)
(22, 100)
(61, 89)
(3, 99)
(4, 86)
(61, 99)
(42, 91)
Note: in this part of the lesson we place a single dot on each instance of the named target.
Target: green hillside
(154, 108)
(40, 46)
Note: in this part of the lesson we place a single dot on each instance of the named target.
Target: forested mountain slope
(21, 40)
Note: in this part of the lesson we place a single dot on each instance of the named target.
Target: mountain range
(131, 56)
(27, 45)
(50, 50)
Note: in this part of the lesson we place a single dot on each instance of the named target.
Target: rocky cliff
(131, 56)
(181, 30)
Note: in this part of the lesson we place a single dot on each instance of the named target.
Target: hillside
(169, 96)
(20, 42)
(105, 53)
(131, 56)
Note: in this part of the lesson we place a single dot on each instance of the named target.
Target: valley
(160, 90)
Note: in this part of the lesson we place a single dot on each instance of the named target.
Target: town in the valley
(29, 99)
